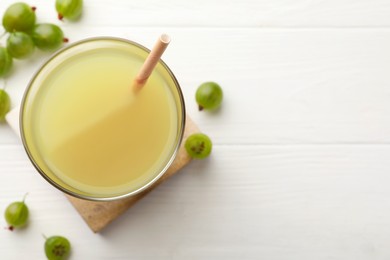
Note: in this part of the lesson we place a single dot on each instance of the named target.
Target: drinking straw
(151, 61)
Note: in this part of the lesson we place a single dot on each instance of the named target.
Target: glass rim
(127, 194)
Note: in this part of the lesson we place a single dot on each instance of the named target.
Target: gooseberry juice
(89, 132)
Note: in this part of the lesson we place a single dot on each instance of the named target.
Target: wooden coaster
(99, 214)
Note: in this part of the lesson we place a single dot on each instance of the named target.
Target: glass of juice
(88, 133)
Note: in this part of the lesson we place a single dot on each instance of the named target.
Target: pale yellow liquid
(94, 133)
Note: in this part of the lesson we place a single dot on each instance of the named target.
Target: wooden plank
(281, 86)
(246, 13)
(269, 202)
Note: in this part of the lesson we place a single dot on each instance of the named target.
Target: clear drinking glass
(88, 133)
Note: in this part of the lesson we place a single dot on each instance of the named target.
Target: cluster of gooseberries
(16, 215)
(24, 35)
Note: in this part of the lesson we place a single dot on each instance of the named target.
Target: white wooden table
(301, 161)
